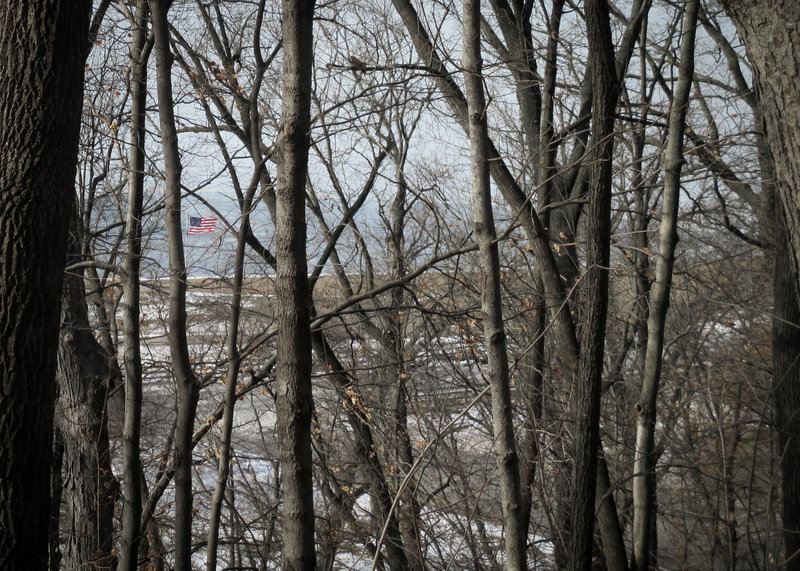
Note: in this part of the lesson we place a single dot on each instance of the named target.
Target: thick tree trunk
(42, 48)
(786, 388)
(772, 39)
(188, 388)
(132, 497)
(608, 520)
(773, 46)
(55, 506)
(595, 283)
(644, 496)
(88, 486)
(293, 368)
(514, 532)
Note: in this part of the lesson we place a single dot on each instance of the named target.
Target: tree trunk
(188, 388)
(41, 69)
(595, 282)
(514, 532)
(772, 39)
(88, 486)
(132, 497)
(608, 520)
(773, 47)
(225, 446)
(786, 388)
(644, 496)
(293, 367)
(395, 373)
(55, 503)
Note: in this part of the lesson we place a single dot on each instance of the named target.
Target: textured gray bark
(41, 70)
(608, 520)
(55, 505)
(644, 496)
(772, 39)
(88, 486)
(132, 497)
(188, 387)
(773, 46)
(786, 374)
(595, 283)
(515, 534)
(293, 368)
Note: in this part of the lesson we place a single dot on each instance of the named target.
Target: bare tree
(132, 468)
(402, 432)
(605, 93)
(292, 291)
(491, 308)
(644, 496)
(188, 386)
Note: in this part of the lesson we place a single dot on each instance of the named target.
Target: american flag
(199, 225)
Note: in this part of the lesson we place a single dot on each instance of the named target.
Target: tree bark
(41, 69)
(598, 238)
(773, 47)
(188, 387)
(515, 534)
(132, 498)
(786, 386)
(394, 367)
(772, 39)
(88, 486)
(608, 520)
(644, 496)
(293, 369)
(55, 503)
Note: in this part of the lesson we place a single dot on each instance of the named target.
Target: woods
(500, 284)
